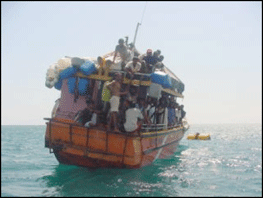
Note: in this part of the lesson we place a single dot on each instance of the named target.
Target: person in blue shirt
(150, 60)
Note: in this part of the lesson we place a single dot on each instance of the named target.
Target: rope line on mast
(143, 12)
(139, 24)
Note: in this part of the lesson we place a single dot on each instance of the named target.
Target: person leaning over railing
(133, 66)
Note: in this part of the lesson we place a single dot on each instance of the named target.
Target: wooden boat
(94, 147)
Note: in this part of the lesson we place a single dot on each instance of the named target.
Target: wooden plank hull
(95, 147)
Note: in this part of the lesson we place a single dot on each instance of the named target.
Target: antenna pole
(138, 25)
(136, 33)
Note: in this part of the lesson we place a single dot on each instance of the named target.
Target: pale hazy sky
(215, 48)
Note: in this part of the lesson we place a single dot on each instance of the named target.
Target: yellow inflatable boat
(198, 136)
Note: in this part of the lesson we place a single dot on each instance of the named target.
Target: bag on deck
(161, 78)
(88, 68)
(69, 72)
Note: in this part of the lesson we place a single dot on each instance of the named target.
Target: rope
(143, 12)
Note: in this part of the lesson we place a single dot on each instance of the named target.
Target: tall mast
(138, 26)
(136, 33)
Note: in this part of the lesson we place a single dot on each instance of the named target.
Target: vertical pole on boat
(138, 26)
(136, 33)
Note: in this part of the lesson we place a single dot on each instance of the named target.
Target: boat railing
(157, 127)
(78, 125)
(153, 127)
(137, 75)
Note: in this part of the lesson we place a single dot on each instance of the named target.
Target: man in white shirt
(133, 66)
(132, 115)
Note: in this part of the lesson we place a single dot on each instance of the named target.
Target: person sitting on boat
(150, 60)
(133, 66)
(143, 108)
(103, 66)
(93, 120)
(132, 116)
(196, 135)
(124, 52)
(158, 53)
(115, 89)
(100, 65)
(159, 65)
(85, 115)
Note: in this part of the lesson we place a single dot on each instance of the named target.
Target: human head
(149, 52)
(155, 54)
(108, 63)
(121, 41)
(158, 52)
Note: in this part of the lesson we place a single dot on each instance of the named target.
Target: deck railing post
(124, 150)
(50, 141)
(70, 133)
(107, 141)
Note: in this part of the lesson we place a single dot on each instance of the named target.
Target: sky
(214, 48)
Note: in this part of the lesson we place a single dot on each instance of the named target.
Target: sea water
(230, 164)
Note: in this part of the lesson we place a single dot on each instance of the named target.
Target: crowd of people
(131, 61)
(121, 108)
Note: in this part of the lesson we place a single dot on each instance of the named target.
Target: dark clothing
(83, 116)
(183, 113)
(150, 62)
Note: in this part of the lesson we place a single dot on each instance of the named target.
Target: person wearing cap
(133, 66)
(150, 60)
(124, 52)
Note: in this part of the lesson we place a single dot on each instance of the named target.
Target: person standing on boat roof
(124, 52)
(115, 87)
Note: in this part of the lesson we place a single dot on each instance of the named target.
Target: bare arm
(115, 54)
(109, 86)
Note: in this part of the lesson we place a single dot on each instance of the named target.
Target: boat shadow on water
(68, 180)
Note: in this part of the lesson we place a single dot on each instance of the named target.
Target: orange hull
(94, 147)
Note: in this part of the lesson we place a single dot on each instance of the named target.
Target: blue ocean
(230, 164)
